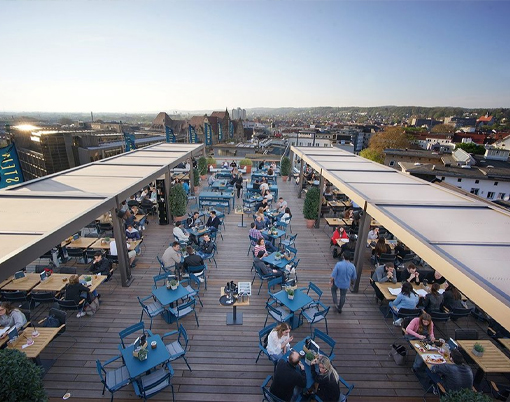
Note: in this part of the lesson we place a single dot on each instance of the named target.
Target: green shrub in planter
(245, 162)
(196, 178)
(465, 395)
(202, 166)
(20, 378)
(211, 161)
(177, 200)
(311, 206)
(285, 166)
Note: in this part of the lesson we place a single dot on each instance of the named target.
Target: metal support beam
(321, 185)
(364, 227)
(167, 188)
(119, 233)
(191, 177)
(301, 174)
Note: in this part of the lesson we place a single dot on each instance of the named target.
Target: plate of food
(433, 358)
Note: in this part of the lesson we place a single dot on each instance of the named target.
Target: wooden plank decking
(223, 357)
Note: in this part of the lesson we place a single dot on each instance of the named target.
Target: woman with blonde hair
(278, 341)
(325, 379)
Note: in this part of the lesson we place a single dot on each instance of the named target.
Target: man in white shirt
(264, 186)
(281, 205)
(179, 232)
(131, 253)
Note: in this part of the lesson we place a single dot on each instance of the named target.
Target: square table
(33, 351)
(221, 185)
(416, 344)
(168, 296)
(216, 197)
(271, 260)
(298, 347)
(155, 357)
(301, 299)
(334, 222)
(23, 284)
(55, 283)
(505, 342)
(196, 233)
(279, 233)
(493, 360)
(82, 242)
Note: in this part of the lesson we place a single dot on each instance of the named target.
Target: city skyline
(211, 55)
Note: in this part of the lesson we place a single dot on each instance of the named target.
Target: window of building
(501, 196)
(459, 180)
(490, 195)
(477, 181)
(392, 163)
(495, 183)
(475, 191)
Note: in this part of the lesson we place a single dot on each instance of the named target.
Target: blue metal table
(271, 260)
(300, 300)
(222, 196)
(155, 357)
(167, 296)
(273, 237)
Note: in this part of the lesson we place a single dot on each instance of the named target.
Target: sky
(151, 56)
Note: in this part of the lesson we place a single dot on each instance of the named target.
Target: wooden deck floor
(223, 357)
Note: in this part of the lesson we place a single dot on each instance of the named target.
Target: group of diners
(181, 230)
(289, 379)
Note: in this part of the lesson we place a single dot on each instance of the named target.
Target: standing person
(342, 276)
(278, 341)
(325, 379)
(238, 181)
(11, 317)
(289, 375)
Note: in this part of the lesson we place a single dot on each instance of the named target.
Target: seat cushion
(175, 349)
(154, 308)
(117, 378)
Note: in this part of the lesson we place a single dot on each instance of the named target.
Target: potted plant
(21, 379)
(173, 284)
(309, 357)
(202, 167)
(88, 279)
(290, 294)
(278, 256)
(311, 206)
(142, 354)
(177, 201)
(285, 168)
(478, 349)
(211, 162)
(196, 180)
(465, 395)
(246, 164)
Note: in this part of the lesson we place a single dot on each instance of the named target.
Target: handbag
(399, 354)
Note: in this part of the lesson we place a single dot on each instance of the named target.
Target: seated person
(147, 203)
(260, 223)
(278, 341)
(288, 375)
(132, 233)
(213, 222)
(338, 234)
(281, 205)
(383, 273)
(185, 186)
(173, 256)
(11, 317)
(407, 298)
(256, 185)
(262, 204)
(410, 274)
(455, 376)
(205, 247)
(132, 201)
(77, 292)
(192, 260)
(328, 195)
(287, 216)
(129, 218)
(348, 248)
(325, 379)
(348, 213)
(264, 268)
(131, 253)
(254, 233)
(101, 265)
(373, 234)
(180, 234)
(268, 196)
(434, 300)
(211, 179)
(452, 298)
(421, 328)
(435, 277)
(261, 246)
(194, 220)
(264, 186)
(261, 165)
(381, 247)
(233, 164)
(401, 250)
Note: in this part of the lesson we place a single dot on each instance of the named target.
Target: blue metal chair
(279, 313)
(188, 285)
(253, 241)
(292, 251)
(200, 271)
(161, 278)
(114, 379)
(290, 241)
(262, 276)
(209, 257)
(140, 326)
(183, 310)
(314, 313)
(177, 349)
(271, 284)
(168, 270)
(343, 396)
(263, 334)
(152, 309)
(267, 395)
(318, 334)
(149, 385)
